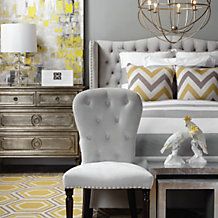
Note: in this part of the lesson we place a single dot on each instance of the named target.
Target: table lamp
(18, 38)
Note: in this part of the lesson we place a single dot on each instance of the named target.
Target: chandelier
(182, 18)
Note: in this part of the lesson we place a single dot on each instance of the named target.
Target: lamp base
(19, 81)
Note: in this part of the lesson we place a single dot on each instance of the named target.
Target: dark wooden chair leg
(132, 202)
(146, 203)
(87, 212)
(69, 203)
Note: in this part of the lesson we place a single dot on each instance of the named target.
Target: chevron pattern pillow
(197, 83)
(151, 83)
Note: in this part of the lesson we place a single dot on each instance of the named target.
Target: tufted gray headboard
(104, 64)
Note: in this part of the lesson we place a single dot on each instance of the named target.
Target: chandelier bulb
(178, 6)
(194, 2)
(155, 7)
(194, 5)
(149, 5)
(174, 28)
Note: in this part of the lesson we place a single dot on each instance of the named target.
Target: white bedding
(160, 119)
(180, 104)
(167, 116)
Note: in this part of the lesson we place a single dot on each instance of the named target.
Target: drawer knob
(36, 119)
(57, 99)
(36, 143)
(15, 98)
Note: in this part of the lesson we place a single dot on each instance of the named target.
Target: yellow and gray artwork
(59, 34)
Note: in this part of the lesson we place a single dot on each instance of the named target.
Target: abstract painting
(60, 34)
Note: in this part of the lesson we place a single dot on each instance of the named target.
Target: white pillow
(214, 54)
(195, 59)
(125, 86)
(156, 61)
(138, 58)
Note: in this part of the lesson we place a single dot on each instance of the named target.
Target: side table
(38, 122)
(184, 181)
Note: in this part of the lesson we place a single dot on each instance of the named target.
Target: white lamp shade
(18, 38)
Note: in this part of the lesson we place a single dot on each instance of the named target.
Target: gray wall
(117, 20)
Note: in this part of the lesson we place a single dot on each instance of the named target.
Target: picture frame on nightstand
(57, 78)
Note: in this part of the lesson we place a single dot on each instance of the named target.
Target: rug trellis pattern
(35, 196)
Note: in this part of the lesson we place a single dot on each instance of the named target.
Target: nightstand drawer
(50, 144)
(55, 99)
(38, 120)
(17, 99)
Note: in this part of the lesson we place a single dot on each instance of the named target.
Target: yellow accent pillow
(151, 83)
(197, 83)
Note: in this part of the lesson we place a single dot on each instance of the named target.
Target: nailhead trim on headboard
(93, 82)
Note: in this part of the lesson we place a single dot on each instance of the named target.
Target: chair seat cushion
(108, 175)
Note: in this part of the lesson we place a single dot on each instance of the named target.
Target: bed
(161, 118)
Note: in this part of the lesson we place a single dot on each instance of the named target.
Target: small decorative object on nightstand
(57, 78)
(174, 142)
(198, 143)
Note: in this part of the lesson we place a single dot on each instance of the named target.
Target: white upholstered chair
(107, 120)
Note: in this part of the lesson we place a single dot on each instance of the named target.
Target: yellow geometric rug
(35, 196)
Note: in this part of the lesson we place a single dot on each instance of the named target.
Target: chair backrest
(107, 120)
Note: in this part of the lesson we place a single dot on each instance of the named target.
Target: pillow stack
(151, 75)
